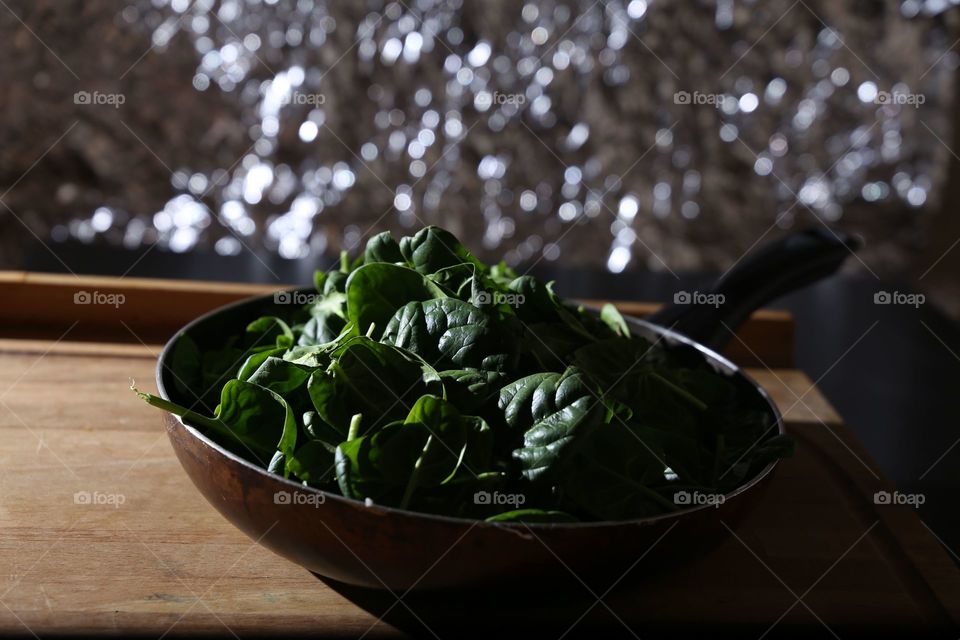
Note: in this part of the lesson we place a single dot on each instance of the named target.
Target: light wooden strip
(106, 309)
(73, 348)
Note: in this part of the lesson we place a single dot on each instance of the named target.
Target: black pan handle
(771, 271)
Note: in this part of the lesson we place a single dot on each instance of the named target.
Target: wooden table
(101, 532)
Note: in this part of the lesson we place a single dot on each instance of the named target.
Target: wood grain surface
(150, 556)
(39, 305)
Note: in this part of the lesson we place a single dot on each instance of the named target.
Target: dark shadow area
(570, 609)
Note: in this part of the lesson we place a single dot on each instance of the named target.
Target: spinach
(280, 376)
(449, 333)
(613, 319)
(270, 329)
(532, 515)
(618, 474)
(420, 378)
(433, 249)
(558, 411)
(250, 420)
(328, 317)
(373, 380)
(313, 463)
(430, 448)
(382, 248)
(375, 291)
(470, 389)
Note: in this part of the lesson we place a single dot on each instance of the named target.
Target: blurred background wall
(617, 135)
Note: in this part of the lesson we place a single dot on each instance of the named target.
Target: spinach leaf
(449, 333)
(270, 329)
(254, 360)
(312, 463)
(433, 249)
(251, 421)
(532, 516)
(612, 318)
(335, 282)
(430, 448)
(317, 429)
(558, 412)
(185, 362)
(375, 292)
(377, 381)
(328, 317)
(382, 248)
(470, 389)
(611, 476)
(280, 376)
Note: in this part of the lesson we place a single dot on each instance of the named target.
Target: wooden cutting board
(101, 532)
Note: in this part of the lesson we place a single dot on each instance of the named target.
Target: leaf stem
(680, 391)
(415, 475)
(354, 430)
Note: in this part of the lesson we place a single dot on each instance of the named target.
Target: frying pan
(351, 543)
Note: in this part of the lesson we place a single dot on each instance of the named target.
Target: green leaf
(327, 319)
(629, 371)
(451, 334)
(375, 292)
(250, 420)
(280, 376)
(317, 429)
(611, 474)
(382, 248)
(430, 448)
(254, 360)
(269, 330)
(313, 463)
(459, 280)
(433, 249)
(470, 389)
(185, 361)
(376, 380)
(612, 318)
(532, 516)
(319, 279)
(558, 411)
(336, 281)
